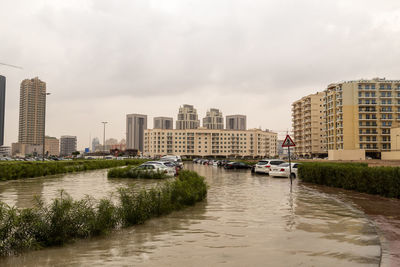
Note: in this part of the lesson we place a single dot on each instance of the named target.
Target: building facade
(95, 143)
(135, 126)
(2, 107)
(213, 119)
(68, 145)
(22, 150)
(187, 118)
(360, 114)
(236, 122)
(203, 142)
(163, 123)
(52, 146)
(32, 106)
(308, 125)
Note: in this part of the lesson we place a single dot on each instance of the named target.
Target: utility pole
(104, 137)
(44, 124)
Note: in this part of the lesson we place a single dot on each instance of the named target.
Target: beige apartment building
(52, 146)
(213, 119)
(308, 126)
(32, 104)
(208, 142)
(360, 114)
(187, 118)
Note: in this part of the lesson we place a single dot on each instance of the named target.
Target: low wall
(358, 154)
(392, 155)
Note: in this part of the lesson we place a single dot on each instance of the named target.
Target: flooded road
(247, 220)
(20, 193)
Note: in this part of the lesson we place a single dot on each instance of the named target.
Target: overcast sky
(103, 59)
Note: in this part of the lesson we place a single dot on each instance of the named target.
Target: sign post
(288, 142)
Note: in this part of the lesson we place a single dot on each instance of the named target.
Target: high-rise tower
(214, 119)
(2, 107)
(32, 111)
(187, 118)
(135, 126)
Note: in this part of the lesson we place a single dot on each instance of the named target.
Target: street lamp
(44, 124)
(104, 137)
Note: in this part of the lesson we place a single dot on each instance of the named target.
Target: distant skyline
(102, 60)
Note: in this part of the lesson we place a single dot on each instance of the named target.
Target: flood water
(246, 220)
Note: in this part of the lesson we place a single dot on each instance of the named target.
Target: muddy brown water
(247, 220)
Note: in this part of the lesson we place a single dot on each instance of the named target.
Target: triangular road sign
(288, 142)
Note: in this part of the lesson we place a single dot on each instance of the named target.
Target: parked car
(222, 163)
(175, 159)
(170, 165)
(283, 170)
(264, 166)
(154, 166)
(237, 165)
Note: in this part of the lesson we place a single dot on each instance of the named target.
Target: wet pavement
(247, 220)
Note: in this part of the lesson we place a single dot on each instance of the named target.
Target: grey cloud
(153, 49)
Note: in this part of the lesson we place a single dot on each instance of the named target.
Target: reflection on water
(384, 212)
(94, 183)
(247, 220)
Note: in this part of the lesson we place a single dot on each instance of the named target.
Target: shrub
(131, 172)
(384, 181)
(65, 219)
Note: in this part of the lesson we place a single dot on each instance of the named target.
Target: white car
(167, 164)
(153, 166)
(283, 170)
(265, 165)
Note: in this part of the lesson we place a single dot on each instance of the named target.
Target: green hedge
(65, 219)
(17, 170)
(130, 172)
(384, 181)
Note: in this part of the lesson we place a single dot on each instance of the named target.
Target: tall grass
(17, 170)
(131, 172)
(384, 181)
(65, 219)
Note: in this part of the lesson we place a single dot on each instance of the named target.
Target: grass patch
(18, 170)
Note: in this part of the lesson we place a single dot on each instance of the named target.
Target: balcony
(366, 111)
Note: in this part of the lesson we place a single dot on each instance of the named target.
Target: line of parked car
(170, 165)
(272, 167)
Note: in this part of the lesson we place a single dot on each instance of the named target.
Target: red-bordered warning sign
(288, 142)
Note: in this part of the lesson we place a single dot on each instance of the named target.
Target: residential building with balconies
(203, 142)
(308, 126)
(360, 114)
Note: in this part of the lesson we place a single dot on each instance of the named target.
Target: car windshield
(276, 163)
(262, 162)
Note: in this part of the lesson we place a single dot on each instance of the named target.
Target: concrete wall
(392, 155)
(357, 154)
